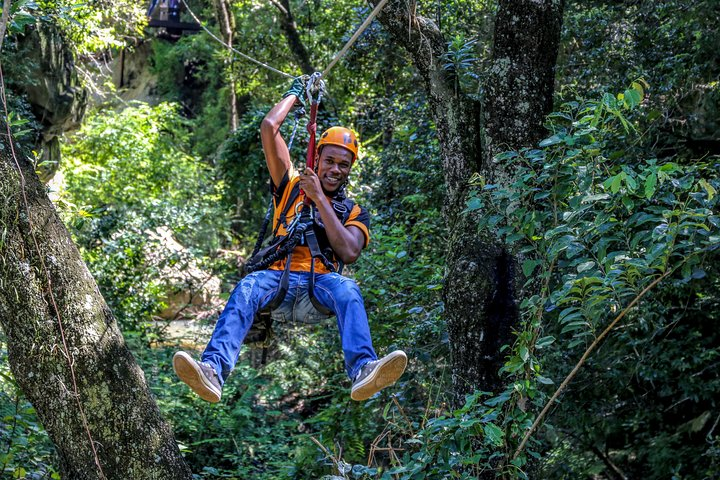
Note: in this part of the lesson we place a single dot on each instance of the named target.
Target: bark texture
(295, 43)
(480, 281)
(129, 434)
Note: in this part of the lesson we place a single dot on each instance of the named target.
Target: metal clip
(315, 84)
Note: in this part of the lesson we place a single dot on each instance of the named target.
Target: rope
(246, 57)
(352, 40)
(298, 113)
(325, 72)
(282, 252)
(65, 349)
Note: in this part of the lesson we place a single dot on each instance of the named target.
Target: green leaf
(529, 266)
(524, 353)
(595, 198)
(544, 341)
(630, 182)
(475, 203)
(650, 184)
(632, 97)
(585, 266)
(494, 434)
(629, 204)
(708, 188)
(555, 139)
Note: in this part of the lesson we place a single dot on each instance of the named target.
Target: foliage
(26, 448)
(597, 226)
(670, 44)
(459, 60)
(89, 27)
(241, 164)
(622, 191)
(129, 179)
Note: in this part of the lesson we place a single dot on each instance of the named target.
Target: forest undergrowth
(612, 218)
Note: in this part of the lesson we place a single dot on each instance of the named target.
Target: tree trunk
(226, 22)
(295, 43)
(480, 280)
(65, 349)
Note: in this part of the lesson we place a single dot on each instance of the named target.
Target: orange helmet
(342, 137)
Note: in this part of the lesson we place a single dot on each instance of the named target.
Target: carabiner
(317, 84)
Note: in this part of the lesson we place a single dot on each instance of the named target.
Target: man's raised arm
(276, 151)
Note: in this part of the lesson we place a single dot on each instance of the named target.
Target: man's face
(334, 167)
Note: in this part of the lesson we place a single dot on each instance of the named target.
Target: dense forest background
(148, 143)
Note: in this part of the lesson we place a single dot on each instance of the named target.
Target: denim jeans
(335, 292)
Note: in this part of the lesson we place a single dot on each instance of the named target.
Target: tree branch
(582, 360)
(420, 36)
(288, 25)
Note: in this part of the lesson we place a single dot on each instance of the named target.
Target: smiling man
(334, 232)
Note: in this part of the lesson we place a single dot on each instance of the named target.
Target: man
(342, 236)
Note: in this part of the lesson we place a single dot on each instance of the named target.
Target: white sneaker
(200, 377)
(378, 374)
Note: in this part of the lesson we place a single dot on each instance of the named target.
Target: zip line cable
(355, 36)
(65, 350)
(325, 72)
(222, 42)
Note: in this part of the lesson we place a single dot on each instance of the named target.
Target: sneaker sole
(386, 373)
(189, 372)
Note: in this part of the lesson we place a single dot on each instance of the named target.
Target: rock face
(132, 75)
(190, 289)
(53, 90)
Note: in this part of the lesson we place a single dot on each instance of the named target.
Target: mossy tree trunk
(47, 293)
(480, 281)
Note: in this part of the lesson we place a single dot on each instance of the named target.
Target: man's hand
(310, 184)
(298, 89)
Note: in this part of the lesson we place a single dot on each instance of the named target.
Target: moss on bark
(41, 268)
(480, 278)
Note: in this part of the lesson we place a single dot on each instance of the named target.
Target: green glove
(298, 89)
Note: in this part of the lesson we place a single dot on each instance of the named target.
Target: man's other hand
(310, 183)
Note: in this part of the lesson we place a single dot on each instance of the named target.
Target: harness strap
(263, 229)
(286, 245)
(282, 287)
(312, 243)
(282, 218)
(311, 293)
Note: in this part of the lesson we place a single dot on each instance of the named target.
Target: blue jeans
(335, 292)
